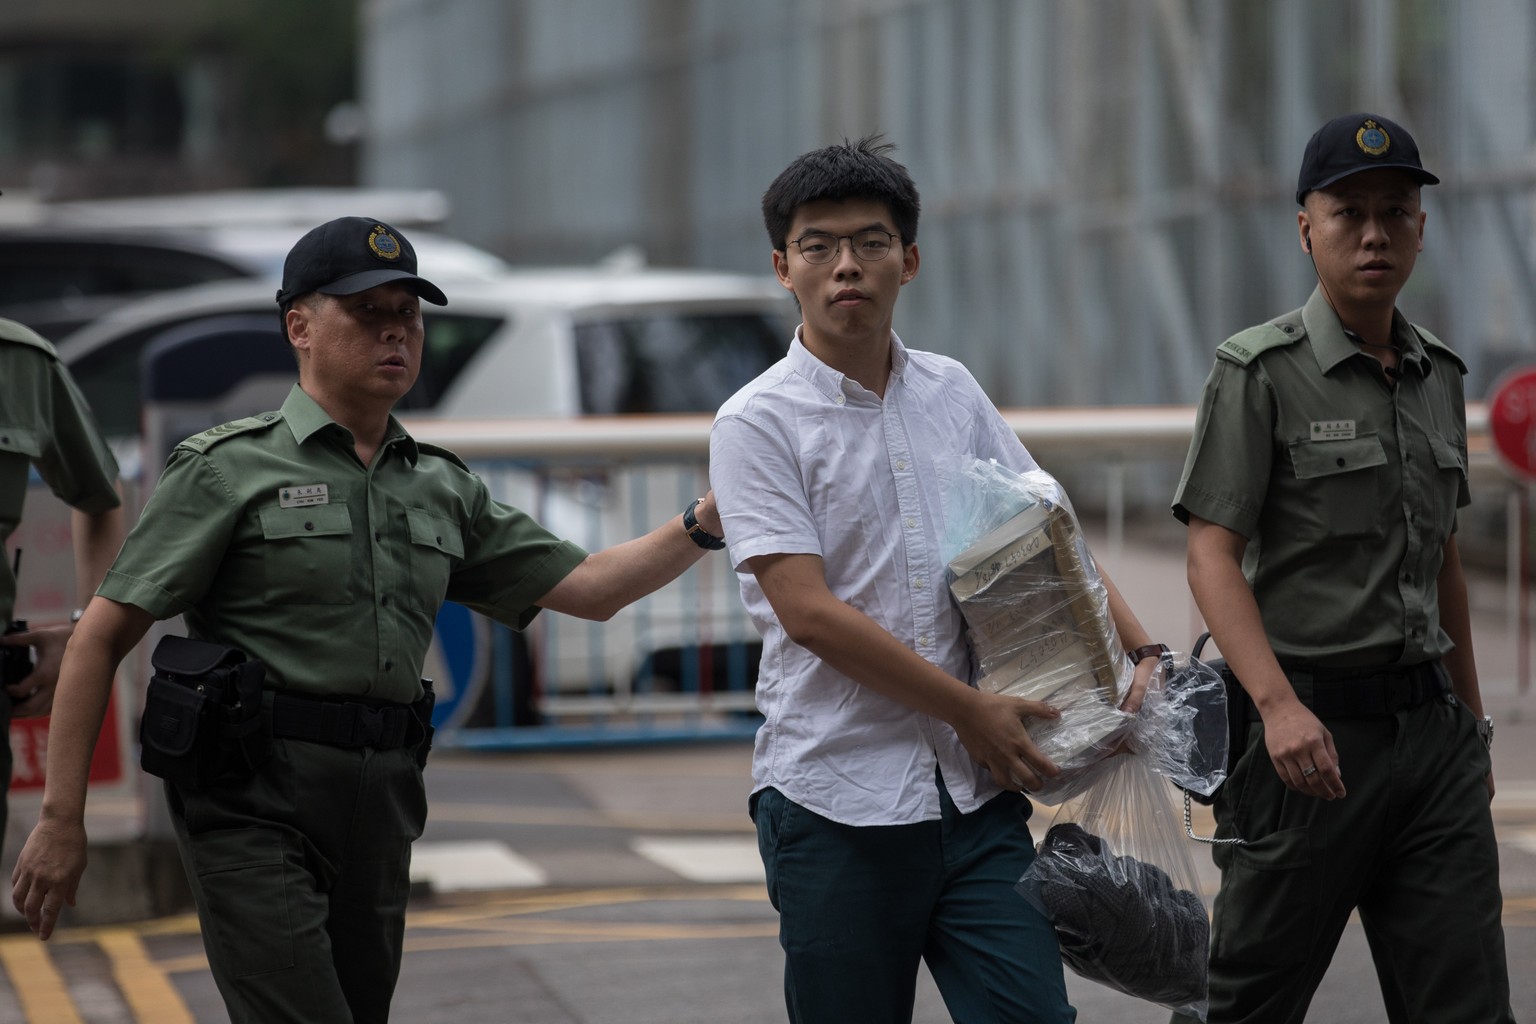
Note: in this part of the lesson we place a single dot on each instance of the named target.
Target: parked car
(548, 343)
(64, 264)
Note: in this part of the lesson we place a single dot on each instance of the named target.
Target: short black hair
(852, 170)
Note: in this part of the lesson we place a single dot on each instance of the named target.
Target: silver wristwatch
(1485, 731)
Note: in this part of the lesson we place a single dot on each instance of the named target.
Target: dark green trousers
(1411, 847)
(301, 876)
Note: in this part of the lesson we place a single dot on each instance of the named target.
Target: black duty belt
(345, 723)
(1370, 693)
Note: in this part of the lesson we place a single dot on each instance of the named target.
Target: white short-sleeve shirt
(804, 460)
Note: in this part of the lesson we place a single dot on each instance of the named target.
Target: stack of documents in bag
(1038, 617)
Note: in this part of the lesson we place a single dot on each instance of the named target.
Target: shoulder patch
(21, 334)
(1438, 347)
(445, 453)
(1246, 346)
(224, 431)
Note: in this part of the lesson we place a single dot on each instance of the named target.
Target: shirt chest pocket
(436, 547)
(1450, 478)
(1341, 488)
(17, 450)
(307, 554)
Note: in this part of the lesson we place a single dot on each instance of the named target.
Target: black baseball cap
(350, 255)
(1357, 142)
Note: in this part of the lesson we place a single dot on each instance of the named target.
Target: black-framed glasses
(868, 245)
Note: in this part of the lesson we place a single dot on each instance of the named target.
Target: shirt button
(911, 523)
(439, 541)
(841, 399)
(901, 464)
(925, 639)
(388, 664)
(309, 526)
(384, 601)
(1339, 462)
(377, 536)
(919, 584)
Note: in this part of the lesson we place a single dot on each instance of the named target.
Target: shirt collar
(829, 381)
(1331, 346)
(306, 418)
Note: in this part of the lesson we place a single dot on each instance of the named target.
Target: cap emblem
(1372, 139)
(384, 245)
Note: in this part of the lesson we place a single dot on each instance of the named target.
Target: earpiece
(1306, 242)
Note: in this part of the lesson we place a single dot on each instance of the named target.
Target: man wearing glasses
(886, 789)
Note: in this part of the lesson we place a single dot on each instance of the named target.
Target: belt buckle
(367, 725)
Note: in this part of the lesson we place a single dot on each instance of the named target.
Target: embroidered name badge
(298, 497)
(1333, 430)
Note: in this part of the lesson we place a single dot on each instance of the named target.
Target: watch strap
(700, 536)
(1140, 654)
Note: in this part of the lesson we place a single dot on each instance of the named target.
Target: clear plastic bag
(1037, 614)
(1182, 725)
(1117, 882)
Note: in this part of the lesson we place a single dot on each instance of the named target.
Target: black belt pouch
(202, 720)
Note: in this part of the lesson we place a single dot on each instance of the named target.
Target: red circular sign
(1512, 420)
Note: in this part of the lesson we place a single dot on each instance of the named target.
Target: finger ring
(1309, 771)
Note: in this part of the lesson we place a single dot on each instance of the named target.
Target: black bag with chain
(1221, 733)
(202, 721)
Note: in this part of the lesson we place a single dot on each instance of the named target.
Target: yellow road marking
(36, 981)
(543, 933)
(143, 982)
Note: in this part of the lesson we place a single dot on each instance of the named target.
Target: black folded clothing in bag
(1123, 921)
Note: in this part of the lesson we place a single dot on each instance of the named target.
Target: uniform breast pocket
(436, 547)
(18, 448)
(1342, 478)
(307, 554)
(1450, 474)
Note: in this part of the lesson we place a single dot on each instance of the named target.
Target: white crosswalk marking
(704, 860)
(1524, 838)
(480, 864)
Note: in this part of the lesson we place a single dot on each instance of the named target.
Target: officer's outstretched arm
(616, 576)
(49, 868)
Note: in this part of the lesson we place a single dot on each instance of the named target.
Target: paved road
(623, 885)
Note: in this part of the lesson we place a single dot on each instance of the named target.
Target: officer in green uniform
(1320, 490)
(320, 539)
(44, 422)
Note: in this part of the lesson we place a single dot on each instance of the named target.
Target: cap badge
(1372, 139)
(384, 245)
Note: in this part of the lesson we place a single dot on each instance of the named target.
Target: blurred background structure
(1107, 183)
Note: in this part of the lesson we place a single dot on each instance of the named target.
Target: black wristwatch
(700, 536)
(1485, 731)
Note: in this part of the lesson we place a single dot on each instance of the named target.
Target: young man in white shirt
(886, 786)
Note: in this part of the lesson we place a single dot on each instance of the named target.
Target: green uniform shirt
(270, 535)
(1345, 485)
(44, 422)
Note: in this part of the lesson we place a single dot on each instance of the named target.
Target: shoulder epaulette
(21, 334)
(1246, 346)
(432, 449)
(1434, 343)
(224, 431)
